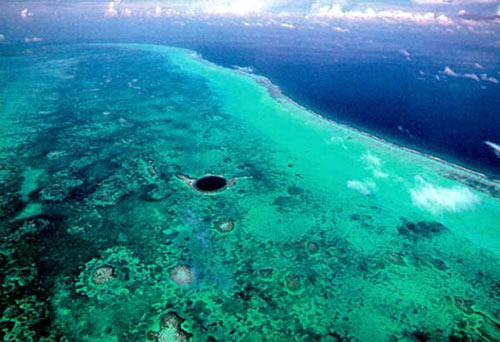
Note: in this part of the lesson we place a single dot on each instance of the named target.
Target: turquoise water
(322, 233)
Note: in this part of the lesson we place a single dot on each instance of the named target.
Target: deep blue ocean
(359, 78)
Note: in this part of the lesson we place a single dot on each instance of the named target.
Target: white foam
(247, 69)
(439, 199)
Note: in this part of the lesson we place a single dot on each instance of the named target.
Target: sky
(332, 8)
(476, 16)
(318, 7)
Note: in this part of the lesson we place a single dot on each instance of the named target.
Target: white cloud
(406, 54)
(487, 78)
(127, 12)
(235, 7)
(341, 29)
(374, 164)
(25, 13)
(112, 10)
(336, 11)
(453, 2)
(33, 39)
(423, 12)
(495, 147)
(366, 187)
(371, 160)
(431, 2)
(449, 72)
(115, 8)
(157, 12)
(438, 199)
(483, 77)
(472, 76)
(287, 26)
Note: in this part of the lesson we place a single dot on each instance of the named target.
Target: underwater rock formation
(266, 274)
(225, 226)
(182, 275)
(294, 283)
(312, 247)
(170, 329)
(110, 192)
(102, 275)
(60, 186)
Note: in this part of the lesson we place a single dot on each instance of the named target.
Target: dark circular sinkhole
(210, 184)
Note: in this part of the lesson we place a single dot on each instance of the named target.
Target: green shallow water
(322, 234)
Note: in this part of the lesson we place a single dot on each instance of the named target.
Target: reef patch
(421, 229)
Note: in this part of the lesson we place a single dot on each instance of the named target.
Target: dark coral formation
(312, 247)
(293, 283)
(419, 230)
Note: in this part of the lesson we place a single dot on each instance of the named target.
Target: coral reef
(120, 251)
(60, 187)
(170, 329)
(103, 275)
(418, 230)
(225, 226)
(116, 273)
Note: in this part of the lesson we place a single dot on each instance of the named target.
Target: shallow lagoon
(322, 233)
